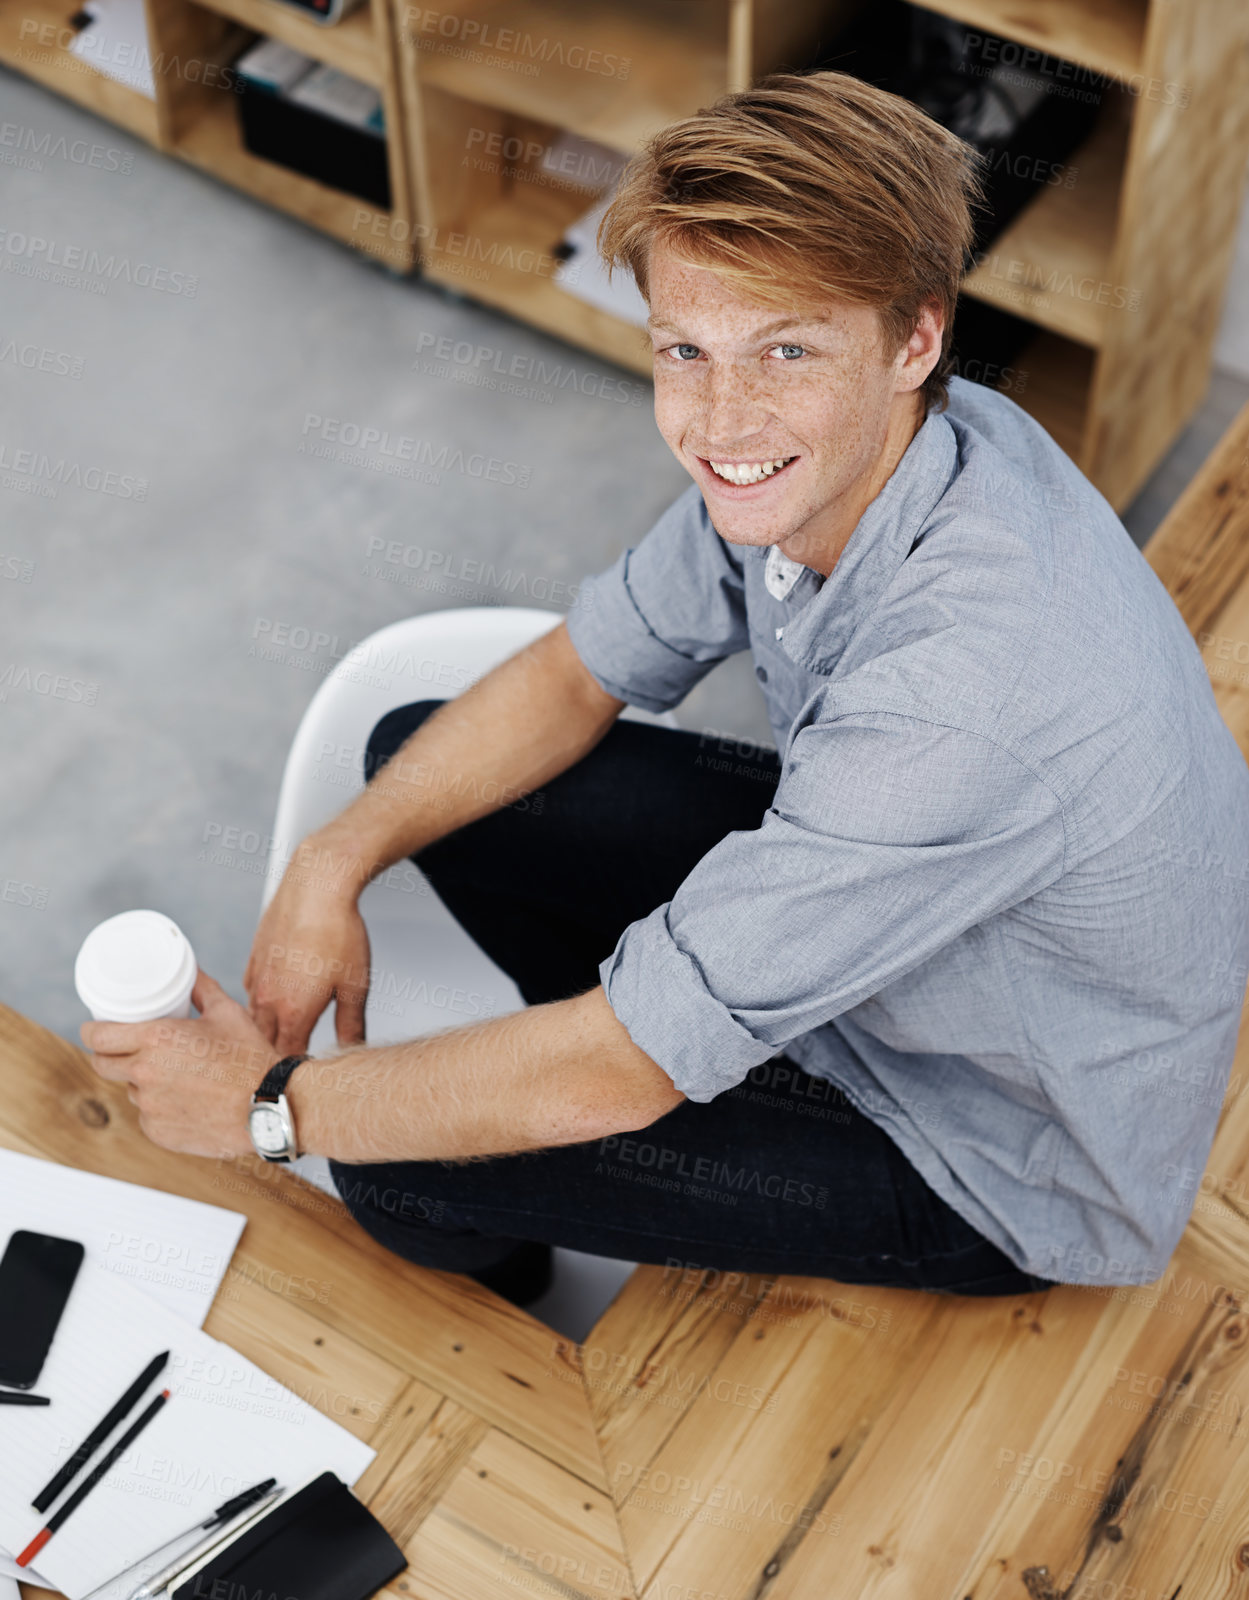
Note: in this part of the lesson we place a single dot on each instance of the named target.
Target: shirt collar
(882, 540)
(780, 574)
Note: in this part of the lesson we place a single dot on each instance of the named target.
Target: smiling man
(936, 996)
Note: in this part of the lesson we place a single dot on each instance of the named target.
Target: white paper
(227, 1425)
(174, 1249)
(115, 43)
(585, 273)
(10, 1569)
(336, 95)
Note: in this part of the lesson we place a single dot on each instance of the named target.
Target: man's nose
(734, 409)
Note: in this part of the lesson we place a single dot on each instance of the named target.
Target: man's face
(741, 384)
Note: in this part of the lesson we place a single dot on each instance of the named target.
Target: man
(939, 997)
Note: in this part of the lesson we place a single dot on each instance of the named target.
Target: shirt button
(762, 674)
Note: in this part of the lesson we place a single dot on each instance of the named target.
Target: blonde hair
(809, 187)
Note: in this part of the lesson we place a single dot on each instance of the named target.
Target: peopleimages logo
(333, 438)
(29, 142)
(35, 472)
(36, 256)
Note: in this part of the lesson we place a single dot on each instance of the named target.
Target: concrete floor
(140, 718)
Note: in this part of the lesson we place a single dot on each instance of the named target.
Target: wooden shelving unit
(1105, 35)
(352, 45)
(194, 114)
(1050, 263)
(618, 111)
(1122, 275)
(35, 37)
(201, 125)
(491, 227)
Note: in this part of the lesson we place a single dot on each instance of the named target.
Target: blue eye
(679, 347)
(800, 349)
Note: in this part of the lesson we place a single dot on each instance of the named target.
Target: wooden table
(488, 1472)
(794, 1439)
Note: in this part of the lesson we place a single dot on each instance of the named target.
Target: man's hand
(311, 947)
(191, 1078)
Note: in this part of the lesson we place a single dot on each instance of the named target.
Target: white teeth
(748, 472)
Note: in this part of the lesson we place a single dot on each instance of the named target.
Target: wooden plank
(263, 1316)
(1225, 650)
(423, 1472)
(439, 1327)
(740, 1486)
(1100, 1508)
(511, 1519)
(400, 241)
(982, 1389)
(615, 74)
(1201, 550)
(199, 44)
(658, 1343)
(399, 1430)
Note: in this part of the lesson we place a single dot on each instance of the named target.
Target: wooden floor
(799, 1439)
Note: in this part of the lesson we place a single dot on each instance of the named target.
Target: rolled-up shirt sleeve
(888, 837)
(665, 612)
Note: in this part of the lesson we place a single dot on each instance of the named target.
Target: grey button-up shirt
(1001, 895)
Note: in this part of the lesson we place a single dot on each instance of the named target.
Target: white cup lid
(136, 961)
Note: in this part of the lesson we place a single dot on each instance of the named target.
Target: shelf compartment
(677, 61)
(1058, 374)
(349, 46)
(212, 139)
(53, 65)
(1107, 36)
(1052, 264)
(491, 233)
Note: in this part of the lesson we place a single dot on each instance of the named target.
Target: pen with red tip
(89, 1482)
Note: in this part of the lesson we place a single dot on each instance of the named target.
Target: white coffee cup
(136, 967)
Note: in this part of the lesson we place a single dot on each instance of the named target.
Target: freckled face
(741, 385)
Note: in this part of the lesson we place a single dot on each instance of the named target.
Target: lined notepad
(226, 1426)
(174, 1249)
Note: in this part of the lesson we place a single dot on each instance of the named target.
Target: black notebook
(321, 1544)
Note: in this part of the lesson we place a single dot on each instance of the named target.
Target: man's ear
(922, 351)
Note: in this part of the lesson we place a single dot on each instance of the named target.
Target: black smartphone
(36, 1274)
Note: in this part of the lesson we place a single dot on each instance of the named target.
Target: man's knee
(394, 729)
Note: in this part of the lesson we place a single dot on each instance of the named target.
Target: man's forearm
(521, 725)
(550, 1075)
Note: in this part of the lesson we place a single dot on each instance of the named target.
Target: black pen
(7, 1398)
(59, 1516)
(100, 1432)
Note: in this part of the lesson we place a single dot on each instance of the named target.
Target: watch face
(266, 1128)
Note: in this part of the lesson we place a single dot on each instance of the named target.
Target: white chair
(427, 973)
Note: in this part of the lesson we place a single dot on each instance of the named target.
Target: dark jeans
(780, 1174)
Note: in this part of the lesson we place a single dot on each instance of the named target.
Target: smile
(748, 472)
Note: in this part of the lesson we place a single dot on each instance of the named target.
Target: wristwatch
(270, 1123)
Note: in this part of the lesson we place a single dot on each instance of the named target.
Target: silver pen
(221, 1534)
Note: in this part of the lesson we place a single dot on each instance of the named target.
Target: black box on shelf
(350, 156)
